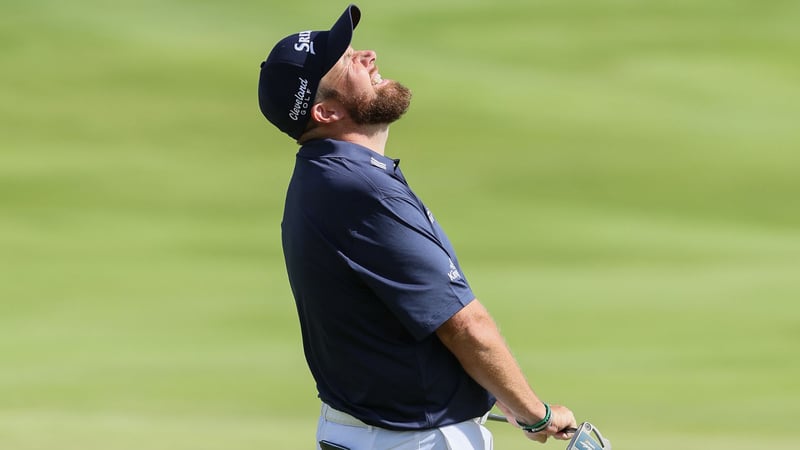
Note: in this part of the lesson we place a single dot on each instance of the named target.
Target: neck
(373, 137)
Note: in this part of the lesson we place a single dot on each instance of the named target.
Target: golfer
(403, 354)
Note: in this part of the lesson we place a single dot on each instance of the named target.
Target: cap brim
(341, 34)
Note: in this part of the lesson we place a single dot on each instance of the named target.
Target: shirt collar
(331, 148)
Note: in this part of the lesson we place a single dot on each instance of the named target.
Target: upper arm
(468, 326)
(402, 257)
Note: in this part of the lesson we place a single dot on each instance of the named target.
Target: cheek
(360, 80)
(360, 88)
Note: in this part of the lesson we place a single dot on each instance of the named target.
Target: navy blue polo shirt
(373, 276)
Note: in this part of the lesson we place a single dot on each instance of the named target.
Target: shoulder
(345, 167)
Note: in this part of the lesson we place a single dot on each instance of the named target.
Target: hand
(561, 418)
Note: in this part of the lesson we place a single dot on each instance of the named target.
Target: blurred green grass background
(619, 178)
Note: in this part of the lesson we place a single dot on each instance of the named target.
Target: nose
(367, 57)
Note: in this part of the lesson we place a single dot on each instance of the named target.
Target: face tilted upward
(368, 98)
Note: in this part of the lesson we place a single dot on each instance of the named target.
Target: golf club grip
(501, 418)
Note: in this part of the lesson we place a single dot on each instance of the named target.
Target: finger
(538, 437)
(563, 435)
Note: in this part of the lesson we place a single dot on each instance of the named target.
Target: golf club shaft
(501, 418)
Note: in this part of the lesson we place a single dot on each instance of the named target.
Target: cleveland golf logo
(301, 100)
(304, 43)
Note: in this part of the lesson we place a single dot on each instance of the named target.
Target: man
(403, 354)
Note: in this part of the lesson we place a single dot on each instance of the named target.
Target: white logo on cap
(301, 100)
(304, 43)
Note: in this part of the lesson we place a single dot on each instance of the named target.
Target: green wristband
(540, 425)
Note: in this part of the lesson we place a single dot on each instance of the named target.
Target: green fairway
(619, 178)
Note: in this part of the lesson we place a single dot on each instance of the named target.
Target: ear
(326, 112)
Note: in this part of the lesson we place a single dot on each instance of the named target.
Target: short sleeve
(407, 261)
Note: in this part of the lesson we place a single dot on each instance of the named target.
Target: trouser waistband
(342, 418)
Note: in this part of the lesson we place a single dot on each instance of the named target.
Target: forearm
(472, 336)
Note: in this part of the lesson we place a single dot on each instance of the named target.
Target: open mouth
(377, 79)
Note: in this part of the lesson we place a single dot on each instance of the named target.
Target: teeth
(376, 79)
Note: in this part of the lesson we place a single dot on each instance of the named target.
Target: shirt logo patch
(377, 163)
(453, 274)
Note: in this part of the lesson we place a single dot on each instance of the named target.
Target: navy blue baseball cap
(291, 74)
